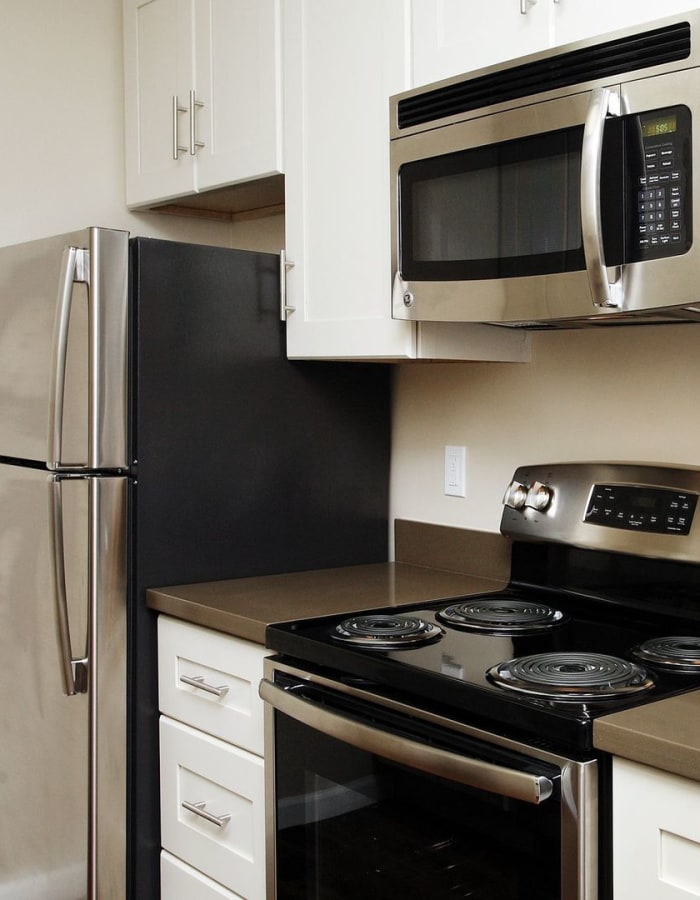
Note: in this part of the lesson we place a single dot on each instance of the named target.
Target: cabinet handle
(285, 265)
(177, 148)
(199, 810)
(194, 104)
(197, 681)
(524, 6)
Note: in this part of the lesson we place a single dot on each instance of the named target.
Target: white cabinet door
(213, 807)
(158, 73)
(342, 62)
(238, 79)
(656, 834)
(575, 20)
(451, 37)
(202, 93)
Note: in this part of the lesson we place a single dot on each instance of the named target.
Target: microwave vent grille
(625, 54)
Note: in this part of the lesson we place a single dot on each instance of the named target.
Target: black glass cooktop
(456, 665)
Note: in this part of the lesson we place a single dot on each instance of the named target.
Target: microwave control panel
(661, 183)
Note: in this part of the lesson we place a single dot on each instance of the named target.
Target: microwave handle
(605, 294)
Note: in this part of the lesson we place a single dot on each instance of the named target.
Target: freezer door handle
(104, 269)
(74, 267)
(74, 670)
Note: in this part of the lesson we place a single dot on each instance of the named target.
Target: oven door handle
(432, 760)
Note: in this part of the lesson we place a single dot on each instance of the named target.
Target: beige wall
(618, 394)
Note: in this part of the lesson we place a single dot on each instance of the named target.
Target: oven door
(539, 214)
(368, 798)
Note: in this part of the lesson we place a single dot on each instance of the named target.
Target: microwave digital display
(658, 127)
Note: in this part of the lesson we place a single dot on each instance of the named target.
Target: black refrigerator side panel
(245, 463)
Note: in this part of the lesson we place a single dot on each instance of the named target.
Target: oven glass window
(353, 825)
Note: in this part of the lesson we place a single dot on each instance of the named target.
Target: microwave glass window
(497, 211)
(517, 209)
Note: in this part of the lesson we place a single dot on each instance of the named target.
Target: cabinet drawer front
(656, 833)
(222, 833)
(178, 881)
(210, 680)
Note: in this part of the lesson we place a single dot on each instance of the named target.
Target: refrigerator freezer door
(63, 350)
(62, 761)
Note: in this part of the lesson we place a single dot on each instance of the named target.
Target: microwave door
(489, 214)
(63, 319)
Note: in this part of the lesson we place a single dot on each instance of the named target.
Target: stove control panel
(641, 508)
(638, 508)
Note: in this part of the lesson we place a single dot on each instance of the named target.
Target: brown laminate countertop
(665, 734)
(435, 563)
(244, 607)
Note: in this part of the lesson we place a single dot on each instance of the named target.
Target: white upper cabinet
(451, 37)
(342, 63)
(203, 95)
(574, 20)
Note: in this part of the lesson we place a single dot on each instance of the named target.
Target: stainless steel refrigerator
(152, 432)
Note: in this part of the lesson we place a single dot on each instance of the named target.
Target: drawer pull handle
(199, 810)
(198, 681)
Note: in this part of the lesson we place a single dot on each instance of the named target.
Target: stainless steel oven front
(371, 797)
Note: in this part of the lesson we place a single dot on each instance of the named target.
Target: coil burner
(576, 676)
(674, 654)
(500, 615)
(386, 631)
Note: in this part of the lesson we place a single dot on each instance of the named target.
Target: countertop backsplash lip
(451, 549)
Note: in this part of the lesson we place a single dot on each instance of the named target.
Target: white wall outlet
(455, 471)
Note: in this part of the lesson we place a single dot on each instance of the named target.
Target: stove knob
(539, 496)
(516, 495)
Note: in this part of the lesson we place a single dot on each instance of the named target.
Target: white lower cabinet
(179, 881)
(656, 834)
(211, 764)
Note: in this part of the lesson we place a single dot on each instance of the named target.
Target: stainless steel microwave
(558, 190)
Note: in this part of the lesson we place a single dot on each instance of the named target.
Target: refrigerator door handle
(74, 670)
(104, 268)
(74, 267)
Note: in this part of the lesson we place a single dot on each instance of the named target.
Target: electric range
(429, 743)
(602, 612)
